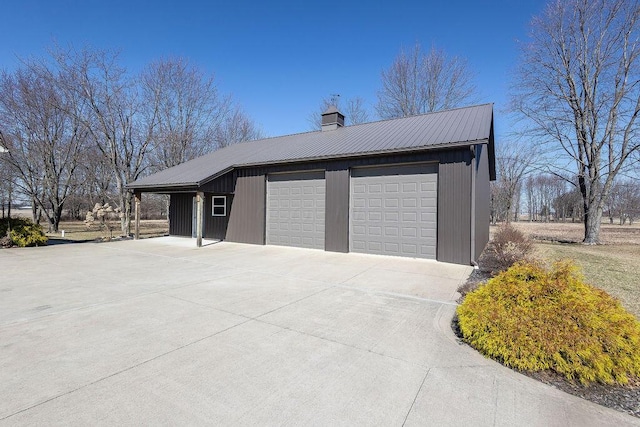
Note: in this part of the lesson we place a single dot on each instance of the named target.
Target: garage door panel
(295, 213)
(409, 217)
(429, 201)
(410, 249)
(394, 210)
(409, 203)
(391, 202)
(429, 186)
(391, 216)
(409, 187)
(390, 248)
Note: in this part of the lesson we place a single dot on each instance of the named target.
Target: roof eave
(161, 187)
(193, 186)
(365, 154)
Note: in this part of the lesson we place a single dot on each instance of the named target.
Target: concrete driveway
(159, 332)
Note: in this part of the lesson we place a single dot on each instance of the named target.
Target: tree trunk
(592, 226)
(125, 222)
(34, 211)
(9, 201)
(55, 220)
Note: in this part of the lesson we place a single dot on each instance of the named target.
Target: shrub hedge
(533, 319)
(23, 232)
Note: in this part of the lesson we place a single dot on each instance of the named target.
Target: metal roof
(462, 126)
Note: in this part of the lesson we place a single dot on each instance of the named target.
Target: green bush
(23, 232)
(533, 319)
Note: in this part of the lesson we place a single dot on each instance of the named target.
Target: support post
(199, 217)
(138, 199)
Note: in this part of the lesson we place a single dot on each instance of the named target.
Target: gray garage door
(394, 210)
(295, 210)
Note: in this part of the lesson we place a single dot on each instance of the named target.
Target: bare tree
(184, 109)
(113, 117)
(44, 136)
(624, 201)
(577, 89)
(235, 127)
(419, 82)
(6, 183)
(513, 161)
(354, 111)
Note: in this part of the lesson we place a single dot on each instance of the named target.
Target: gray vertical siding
(180, 214)
(482, 195)
(246, 201)
(337, 210)
(454, 207)
(221, 185)
(247, 213)
(215, 227)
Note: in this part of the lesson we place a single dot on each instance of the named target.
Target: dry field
(612, 266)
(610, 234)
(77, 231)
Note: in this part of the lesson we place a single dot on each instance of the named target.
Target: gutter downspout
(473, 206)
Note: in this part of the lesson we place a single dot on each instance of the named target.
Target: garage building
(415, 187)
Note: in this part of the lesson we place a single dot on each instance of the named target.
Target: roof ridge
(428, 113)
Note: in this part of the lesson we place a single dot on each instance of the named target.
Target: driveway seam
(123, 370)
(357, 274)
(416, 397)
(257, 319)
(294, 302)
(286, 328)
(207, 306)
(395, 294)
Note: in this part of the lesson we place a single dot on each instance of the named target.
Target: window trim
(218, 205)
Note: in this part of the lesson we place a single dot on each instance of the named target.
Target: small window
(219, 206)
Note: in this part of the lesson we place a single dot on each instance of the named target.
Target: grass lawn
(613, 268)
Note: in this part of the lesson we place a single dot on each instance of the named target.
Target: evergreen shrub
(23, 232)
(532, 318)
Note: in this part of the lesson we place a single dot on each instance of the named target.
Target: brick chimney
(332, 119)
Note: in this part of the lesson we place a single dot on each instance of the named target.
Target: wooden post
(138, 199)
(199, 217)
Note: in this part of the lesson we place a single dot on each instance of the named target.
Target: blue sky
(279, 59)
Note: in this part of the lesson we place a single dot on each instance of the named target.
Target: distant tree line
(525, 190)
(76, 128)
